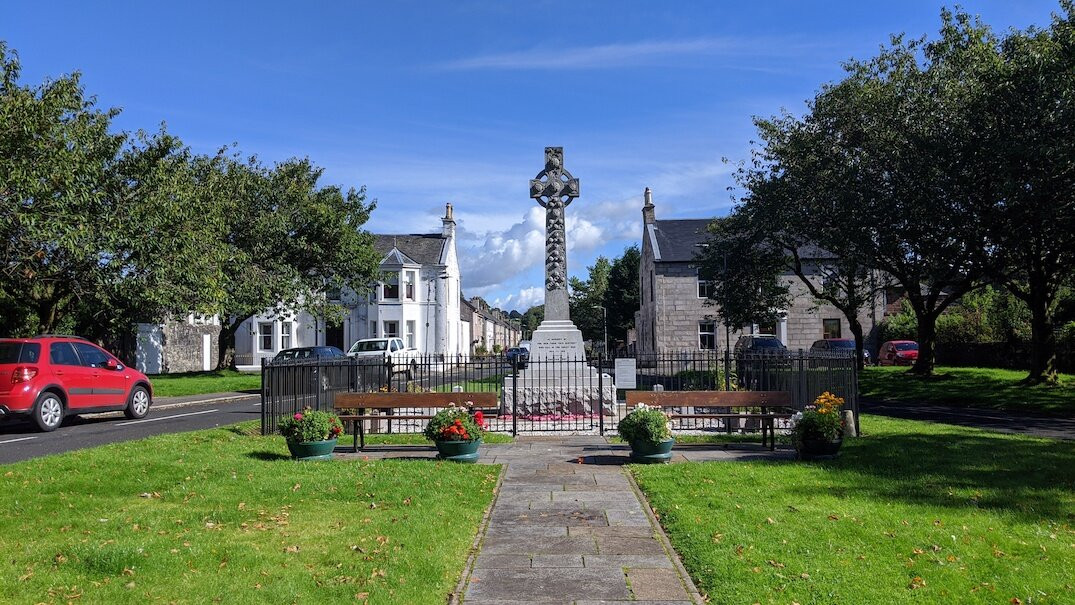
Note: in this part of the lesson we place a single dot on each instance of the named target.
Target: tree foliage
(587, 298)
(622, 295)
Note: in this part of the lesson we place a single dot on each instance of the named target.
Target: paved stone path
(564, 532)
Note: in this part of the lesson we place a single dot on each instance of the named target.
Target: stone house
(417, 299)
(673, 314)
(491, 327)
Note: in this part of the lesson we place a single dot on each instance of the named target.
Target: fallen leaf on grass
(291, 549)
(775, 564)
(916, 582)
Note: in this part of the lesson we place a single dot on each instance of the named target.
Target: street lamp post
(604, 323)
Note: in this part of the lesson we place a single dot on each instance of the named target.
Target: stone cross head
(554, 185)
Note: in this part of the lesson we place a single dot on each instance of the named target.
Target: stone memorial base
(558, 381)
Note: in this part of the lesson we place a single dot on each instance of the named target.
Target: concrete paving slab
(660, 561)
(545, 585)
(656, 584)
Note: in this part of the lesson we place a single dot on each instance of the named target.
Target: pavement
(569, 526)
(1022, 423)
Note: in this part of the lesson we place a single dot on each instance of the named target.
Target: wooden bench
(774, 405)
(357, 407)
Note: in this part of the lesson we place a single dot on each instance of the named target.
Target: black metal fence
(573, 395)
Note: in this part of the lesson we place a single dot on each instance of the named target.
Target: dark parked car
(518, 355)
(759, 360)
(765, 344)
(49, 377)
(898, 353)
(303, 353)
(839, 345)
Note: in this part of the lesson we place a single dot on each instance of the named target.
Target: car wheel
(48, 411)
(137, 403)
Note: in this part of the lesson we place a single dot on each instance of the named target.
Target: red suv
(49, 377)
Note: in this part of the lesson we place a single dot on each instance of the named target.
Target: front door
(334, 336)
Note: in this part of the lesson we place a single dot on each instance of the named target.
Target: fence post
(264, 401)
(727, 369)
(515, 396)
(601, 395)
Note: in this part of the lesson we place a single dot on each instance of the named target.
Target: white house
(417, 300)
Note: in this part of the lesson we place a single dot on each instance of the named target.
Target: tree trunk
(226, 344)
(856, 331)
(1043, 340)
(46, 316)
(927, 344)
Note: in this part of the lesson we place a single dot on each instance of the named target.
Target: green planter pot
(311, 450)
(459, 451)
(644, 452)
(818, 449)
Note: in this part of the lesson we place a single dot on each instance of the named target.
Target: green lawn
(221, 516)
(199, 383)
(481, 385)
(910, 513)
(969, 387)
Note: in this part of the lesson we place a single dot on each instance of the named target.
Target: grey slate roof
(425, 248)
(678, 239)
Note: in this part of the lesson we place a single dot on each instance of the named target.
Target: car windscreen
(767, 343)
(369, 345)
(19, 352)
(906, 346)
(842, 344)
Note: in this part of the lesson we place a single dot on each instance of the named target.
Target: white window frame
(394, 276)
(703, 284)
(711, 332)
(262, 334)
(411, 336)
(410, 285)
(287, 331)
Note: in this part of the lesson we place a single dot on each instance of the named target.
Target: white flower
(795, 418)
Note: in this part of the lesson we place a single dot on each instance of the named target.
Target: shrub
(645, 424)
(820, 421)
(310, 425)
(455, 424)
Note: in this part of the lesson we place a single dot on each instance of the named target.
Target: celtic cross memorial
(554, 189)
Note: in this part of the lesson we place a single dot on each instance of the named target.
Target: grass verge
(200, 383)
(221, 516)
(911, 513)
(969, 387)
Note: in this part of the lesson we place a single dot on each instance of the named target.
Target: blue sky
(426, 103)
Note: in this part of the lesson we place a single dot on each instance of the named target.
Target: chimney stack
(649, 215)
(448, 221)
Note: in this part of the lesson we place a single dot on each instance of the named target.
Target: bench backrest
(703, 399)
(385, 401)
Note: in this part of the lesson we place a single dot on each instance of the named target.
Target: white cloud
(621, 55)
(522, 300)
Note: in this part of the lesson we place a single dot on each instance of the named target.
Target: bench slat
(382, 401)
(710, 399)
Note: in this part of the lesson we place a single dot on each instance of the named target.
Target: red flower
(298, 416)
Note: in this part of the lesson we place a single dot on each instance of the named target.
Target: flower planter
(458, 451)
(645, 452)
(818, 449)
(311, 450)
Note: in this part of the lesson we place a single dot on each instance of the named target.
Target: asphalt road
(19, 440)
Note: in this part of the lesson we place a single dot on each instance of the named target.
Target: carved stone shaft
(554, 189)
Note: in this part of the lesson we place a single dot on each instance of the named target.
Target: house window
(704, 288)
(373, 329)
(265, 336)
(408, 283)
(390, 288)
(830, 328)
(391, 329)
(707, 335)
(285, 334)
(410, 334)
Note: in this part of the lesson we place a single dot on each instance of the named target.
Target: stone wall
(183, 348)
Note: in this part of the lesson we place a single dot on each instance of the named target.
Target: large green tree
(98, 229)
(290, 241)
(622, 296)
(588, 298)
(1028, 123)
